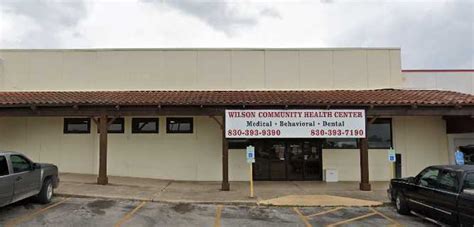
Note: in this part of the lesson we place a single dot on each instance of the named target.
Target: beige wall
(196, 156)
(422, 141)
(192, 69)
(452, 81)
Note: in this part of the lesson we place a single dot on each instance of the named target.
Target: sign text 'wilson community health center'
(295, 123)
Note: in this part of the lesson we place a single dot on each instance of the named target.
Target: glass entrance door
(295, 161)
(289, 159)
(312, 165)
(270, 160)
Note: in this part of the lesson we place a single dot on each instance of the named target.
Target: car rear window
(3, 166)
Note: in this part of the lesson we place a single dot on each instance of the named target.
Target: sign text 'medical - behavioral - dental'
(295, 123)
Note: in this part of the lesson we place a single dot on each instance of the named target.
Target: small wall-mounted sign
(391, 155)
(250, 154)
(459, 157)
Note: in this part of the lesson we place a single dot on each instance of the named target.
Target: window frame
(234, 143)
(190, 119)
(67, 121)
(136, 121)
(25, 158)
(418, 177)
(468, 174)
(341, 148)
(377, 121)
(121, 131)
(446, 172)
(381, 121)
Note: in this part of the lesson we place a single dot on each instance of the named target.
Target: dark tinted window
(429, 177)
(340, 143)
(448, 181)
(469, 182)
(20, 164)
(379, 134)
(3, 166)
(77, 125)
(117, 126)
(238, 143)
(179, 125)
(468, 154)
(145, 125)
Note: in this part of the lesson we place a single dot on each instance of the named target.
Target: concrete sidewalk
(267, 193)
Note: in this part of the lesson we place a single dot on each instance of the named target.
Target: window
(145, 125)
(20, 164)
(3, 166)
(379, 134)
(448, 181)
(116, 127)
(179, 125)
(238, 143)
(428, 177)
(469, 182)
(77, 125)
(468, 154)
(340, 143)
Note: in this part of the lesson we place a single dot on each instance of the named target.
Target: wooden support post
(225, 160)
(103, 130)
(364, 165)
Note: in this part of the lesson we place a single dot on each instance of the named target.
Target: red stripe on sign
(438, 70)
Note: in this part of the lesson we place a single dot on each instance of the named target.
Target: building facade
(460, 80)
(53, 102)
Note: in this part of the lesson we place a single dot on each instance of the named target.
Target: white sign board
(391, 155)
(295, 123)
(250, 154)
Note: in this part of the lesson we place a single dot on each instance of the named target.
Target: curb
(231, 203)
(235, 203)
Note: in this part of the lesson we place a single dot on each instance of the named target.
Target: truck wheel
(401, 204)
(46, 193)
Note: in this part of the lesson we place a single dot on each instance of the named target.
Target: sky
(432, 34)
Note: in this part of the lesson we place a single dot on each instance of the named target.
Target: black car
(441, 193)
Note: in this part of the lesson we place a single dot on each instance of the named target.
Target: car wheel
(47, 191)
(401, 204)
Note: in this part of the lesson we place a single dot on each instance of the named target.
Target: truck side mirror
(411, 180)
(36, 166)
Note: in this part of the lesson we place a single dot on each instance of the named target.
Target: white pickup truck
(20, 178)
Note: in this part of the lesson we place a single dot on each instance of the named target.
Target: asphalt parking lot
(100, 212)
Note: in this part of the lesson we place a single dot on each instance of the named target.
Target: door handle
(19, 178)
